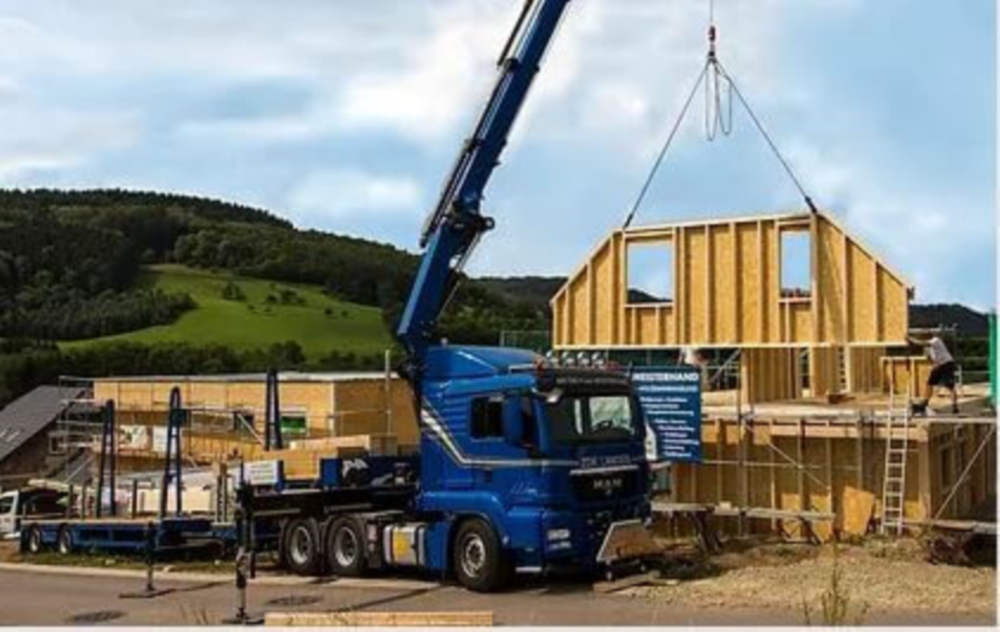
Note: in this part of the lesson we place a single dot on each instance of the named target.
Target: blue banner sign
(671, 403)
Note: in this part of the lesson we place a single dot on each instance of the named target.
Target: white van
(28, 503)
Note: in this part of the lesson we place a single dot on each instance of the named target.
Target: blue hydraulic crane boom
(456, 223)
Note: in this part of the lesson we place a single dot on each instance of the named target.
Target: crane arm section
(456, 223)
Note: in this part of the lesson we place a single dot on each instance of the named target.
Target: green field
(318, 323)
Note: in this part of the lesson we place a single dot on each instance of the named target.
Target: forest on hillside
(70, 261)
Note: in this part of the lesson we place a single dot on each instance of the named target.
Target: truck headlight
(553, 535)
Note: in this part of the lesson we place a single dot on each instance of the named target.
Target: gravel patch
(871, 578)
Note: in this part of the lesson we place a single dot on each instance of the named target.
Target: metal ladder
(894, 481)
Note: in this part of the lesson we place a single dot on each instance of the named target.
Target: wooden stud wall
(726, 290)
(905, 375)
(770, 375)
(338, 408)
(864, 369)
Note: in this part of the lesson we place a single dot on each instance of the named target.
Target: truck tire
(34, 540)
(301, 547)
(345, 547)
(478, 559)
(64, 541)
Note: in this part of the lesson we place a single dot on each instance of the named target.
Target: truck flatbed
(130, 535)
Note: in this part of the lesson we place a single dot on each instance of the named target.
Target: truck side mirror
(513, 424)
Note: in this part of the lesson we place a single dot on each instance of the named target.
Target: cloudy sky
(344, 115)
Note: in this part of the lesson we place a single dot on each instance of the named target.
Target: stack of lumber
(302, 457)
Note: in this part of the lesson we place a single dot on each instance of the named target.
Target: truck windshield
(590, 419)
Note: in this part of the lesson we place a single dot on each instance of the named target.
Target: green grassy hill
(307, 316)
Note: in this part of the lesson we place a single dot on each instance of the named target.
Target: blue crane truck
(523, 466)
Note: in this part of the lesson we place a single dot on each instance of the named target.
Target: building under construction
(227, 413)
(806, 423)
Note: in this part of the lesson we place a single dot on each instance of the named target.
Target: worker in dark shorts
(942, 373)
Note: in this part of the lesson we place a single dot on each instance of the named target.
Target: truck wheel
(300, 547)
(480, 564)
(64, 541)
(345, 547)
(35, 540)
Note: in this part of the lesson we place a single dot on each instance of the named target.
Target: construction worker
(942, 373)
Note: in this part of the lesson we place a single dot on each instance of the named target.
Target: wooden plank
(774, 484)
(743, 472)
(356, 618)
(591, 305)
(613, 296)
(846, 304)
(800, 451)
(818, 329)
(831, 497)
(631, 581)
(681, 306)
(924, 465)
(709, 283)
(877, 303)
(720, 441)
(737, 285)
(621, 289)
(761, 285)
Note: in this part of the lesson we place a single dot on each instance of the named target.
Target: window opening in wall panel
(796, 264)
(650, 273)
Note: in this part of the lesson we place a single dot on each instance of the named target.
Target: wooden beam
(762, 265)
(877, 302)
(774, 484)
(680, 288)
(800, 451)
(620, 289)
(379, 619)
(709, 282)
(720, 440)
(591, 304)
(848, 302)
(742, 471)
(859, 454)
(818, 333)
(831, 496)
(924, 481)
(737, 283)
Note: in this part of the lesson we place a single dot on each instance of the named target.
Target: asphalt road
(54, 598)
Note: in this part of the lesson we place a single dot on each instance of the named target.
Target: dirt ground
(875, 576)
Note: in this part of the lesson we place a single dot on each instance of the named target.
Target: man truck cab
(547, 458)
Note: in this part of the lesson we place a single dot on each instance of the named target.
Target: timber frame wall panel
(727, 290)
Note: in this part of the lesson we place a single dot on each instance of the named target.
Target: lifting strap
(715, 120)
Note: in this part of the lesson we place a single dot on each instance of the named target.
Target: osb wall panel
(824, 371)
(950, 454)
(842, 476)
(864, 369)
(905, 375)
(770, 375)
(727, 290)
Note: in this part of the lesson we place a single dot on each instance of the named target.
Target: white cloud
(43, 138)
(364, 72)
(340, 193)
(914, 229)
(432, 87)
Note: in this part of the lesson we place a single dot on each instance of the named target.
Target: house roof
(28, 415)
